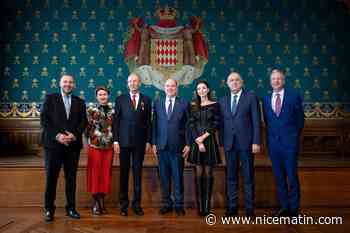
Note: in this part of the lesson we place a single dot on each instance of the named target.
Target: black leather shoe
(72, 213)
(165, 210)
(138, 210)
(180, 211)
(231, 212)
(294, 213)
(281, 213)
(250, 213)
(49, 216)
(124, 211)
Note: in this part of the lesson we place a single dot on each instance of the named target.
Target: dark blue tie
(234, 105)
(170, 108)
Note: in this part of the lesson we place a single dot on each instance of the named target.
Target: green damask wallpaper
(309, 40)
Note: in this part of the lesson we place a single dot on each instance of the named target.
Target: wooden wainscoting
(324, 170)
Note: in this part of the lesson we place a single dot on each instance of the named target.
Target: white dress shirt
(238, 94)
(167, 103)
(137, 97)
(67, 101)
(273, 99)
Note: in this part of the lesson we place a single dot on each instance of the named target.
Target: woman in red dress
(100, 153)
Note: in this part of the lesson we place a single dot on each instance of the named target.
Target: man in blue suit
(284, 119)
(240, 136)
(171, 143)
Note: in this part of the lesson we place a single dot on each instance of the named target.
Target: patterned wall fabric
(40, 39)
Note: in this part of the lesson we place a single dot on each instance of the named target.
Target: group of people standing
(174, 130)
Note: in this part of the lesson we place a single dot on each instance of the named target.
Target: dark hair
(198, 98)
(99, 88)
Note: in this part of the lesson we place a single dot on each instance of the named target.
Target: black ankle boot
(96, 207)
(102, 203)
(200, 195)
(209, 181)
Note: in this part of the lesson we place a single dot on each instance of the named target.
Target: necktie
(170, 108)
(278, 104)
(133, 100)
(66, 105)
(234, 104)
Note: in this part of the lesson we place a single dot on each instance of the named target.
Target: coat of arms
(166, 50)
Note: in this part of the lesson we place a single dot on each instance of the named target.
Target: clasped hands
(65, 138)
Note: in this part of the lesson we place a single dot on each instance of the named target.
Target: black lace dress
(205, 119)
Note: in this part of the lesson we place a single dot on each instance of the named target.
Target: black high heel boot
(102, 203)
(209, 181)
(199, 195)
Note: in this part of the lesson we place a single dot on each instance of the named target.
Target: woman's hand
(199, 140)
(201, 147)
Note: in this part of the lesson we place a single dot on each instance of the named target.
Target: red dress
(100, 152)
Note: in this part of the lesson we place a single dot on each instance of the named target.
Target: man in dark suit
(63, 120)
(240, 136)
(171, 143)
(132, 136)
(284, 119)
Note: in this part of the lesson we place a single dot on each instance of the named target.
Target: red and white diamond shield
(166, 52)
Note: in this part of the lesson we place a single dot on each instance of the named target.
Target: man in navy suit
(171, 144)
(132, 137)
(63, 120)
(284, 119)
(240, 137)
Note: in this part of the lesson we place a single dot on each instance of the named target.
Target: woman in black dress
(204, 154)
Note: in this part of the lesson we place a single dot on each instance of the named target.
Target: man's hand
(185, 151)
(116, 148)
(148, 148)
(63, 139)
(70, 136)
(154, 149)
(201, 147)
(255, 148)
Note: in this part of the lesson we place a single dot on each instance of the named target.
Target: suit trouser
(233, 159)
(285, 169)
(136, 155)
(171, 165)
(54, 159)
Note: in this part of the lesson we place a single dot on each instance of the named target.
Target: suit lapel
(140, 102)
(162, 103)
(72, 106)
(228, 102)
(61, 106)
(175, 107)
(285, 99)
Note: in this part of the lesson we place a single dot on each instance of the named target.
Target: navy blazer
(286, 128)
(132, 127)
(171, 132)
(240, 130)
(53, 120)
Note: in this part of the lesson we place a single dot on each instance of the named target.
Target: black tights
(204, 171)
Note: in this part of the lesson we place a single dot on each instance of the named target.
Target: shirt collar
(64, 94)
(281, 92)
(238, 94)
(136, 94)
(172, 98)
